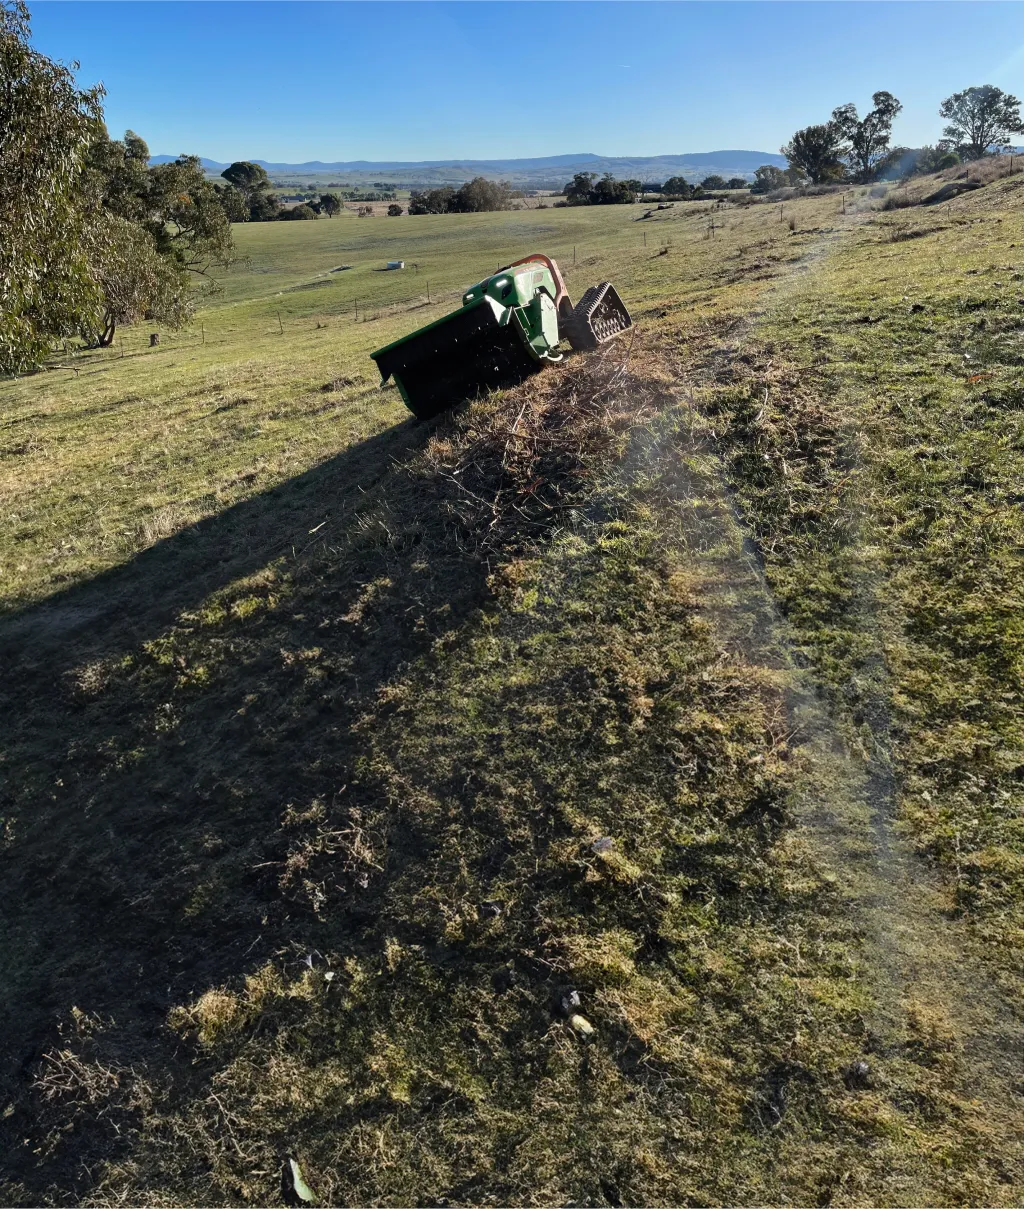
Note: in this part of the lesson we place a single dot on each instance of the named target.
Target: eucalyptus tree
(867, 138)
(816, 152)
(981, 120)
(47, 124)
(92, 235)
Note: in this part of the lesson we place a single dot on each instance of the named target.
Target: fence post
(428, 291)
(279, 323)
(645, 239)
(574, 255)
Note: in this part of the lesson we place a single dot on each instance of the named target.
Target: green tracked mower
(506, 329)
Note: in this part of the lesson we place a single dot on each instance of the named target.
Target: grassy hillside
(110, 451)
(348, 762)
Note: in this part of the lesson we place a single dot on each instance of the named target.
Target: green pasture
(107, 450)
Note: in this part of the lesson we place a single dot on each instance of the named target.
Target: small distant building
(396, 264)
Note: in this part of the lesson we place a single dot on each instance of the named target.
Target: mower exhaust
(508, 326)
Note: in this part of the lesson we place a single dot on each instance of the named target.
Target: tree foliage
(677, 186)
(46, 127)
(185, 217)
(816, 151)
(297, 213)
(171, 222)
(980, 120)
(475, 196)
(768, 178)
(713, 182)
(919, 161)
(866, 140)
(116, 174)
(481, 195)
(330, 204)
(577, 191)
(586, 190)
(136, 282)
(92, 235)
(233, 203)
(264, 207)
(432, 201)
(248, 178)
(627, 190)
(253, 184)
(394, 210)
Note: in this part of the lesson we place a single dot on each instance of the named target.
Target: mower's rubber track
(598, 317)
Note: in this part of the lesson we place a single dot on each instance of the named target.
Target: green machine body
(508, 327)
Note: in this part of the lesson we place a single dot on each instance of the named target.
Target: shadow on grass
(118, 606)
(152, 739)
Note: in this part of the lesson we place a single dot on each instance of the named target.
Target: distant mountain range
(550, 171)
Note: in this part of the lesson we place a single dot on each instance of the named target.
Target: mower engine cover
(530, 291)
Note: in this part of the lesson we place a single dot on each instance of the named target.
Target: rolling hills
(545, 172)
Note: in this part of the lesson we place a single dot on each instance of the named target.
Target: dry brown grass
(985, 171)
(511, 466)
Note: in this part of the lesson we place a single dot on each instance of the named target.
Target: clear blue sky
(382, 81)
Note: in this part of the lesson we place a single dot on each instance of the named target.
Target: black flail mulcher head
(509, 325)
(598, 317)
(479, 347)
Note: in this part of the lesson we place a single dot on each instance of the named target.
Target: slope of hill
(536, 173)
(346, 760)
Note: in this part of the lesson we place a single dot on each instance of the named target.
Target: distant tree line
(93, 236)
(585, 189)
(475, 196)
(980, 122)
(384, 187)
(247, 197)
(679, 186)
(313, 196)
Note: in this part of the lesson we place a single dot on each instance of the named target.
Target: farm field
(339, 751)
(282, 327)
